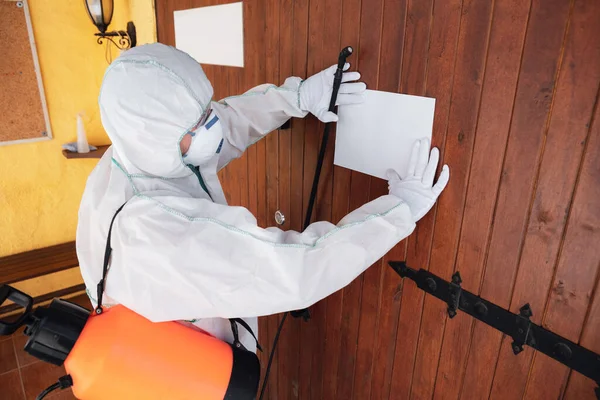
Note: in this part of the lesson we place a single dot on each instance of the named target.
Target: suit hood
(150, 98)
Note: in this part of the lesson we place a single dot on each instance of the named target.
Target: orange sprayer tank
(120, 355)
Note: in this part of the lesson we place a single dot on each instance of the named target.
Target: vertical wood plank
(286, 41)
(442, 31)
(309, 363)
(541, 60)
(329, 196)
(299, 61)
(358, 195)
(441, 26)
(334, 303)
(315, 63)
(390, 67)
(329, 49)
(253, 37)
(368, 59)
(574, 101)
(252, 40)
(532, 104)
(418, 53)
(504, 59)
(289, 340)
(541, 57)
(257, 158)
(580, 387)
(468, 80)
(211, 71)
(164, 26)
(165, 31)
(580, 248)
(415, 50)
(412, 80)
(241, 171)
(299, 65)
(271, 45)
(576, 278)
(337, 308)
(334, 332)
(215, 75)
(316, 326)
(333, 336)
(234, 180)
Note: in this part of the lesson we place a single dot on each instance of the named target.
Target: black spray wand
(337, 81)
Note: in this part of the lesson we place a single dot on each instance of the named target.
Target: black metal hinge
(518, 326)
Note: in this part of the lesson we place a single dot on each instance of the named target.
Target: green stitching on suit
(115, 162)
(246, 233)
(299, 86)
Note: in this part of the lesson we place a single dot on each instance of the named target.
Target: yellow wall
(40, 190)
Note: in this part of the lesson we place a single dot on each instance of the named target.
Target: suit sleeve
(249, 117)
(174, 259)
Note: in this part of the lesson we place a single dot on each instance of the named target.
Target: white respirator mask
(206, 142)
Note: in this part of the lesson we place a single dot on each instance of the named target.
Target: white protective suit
(179, 251)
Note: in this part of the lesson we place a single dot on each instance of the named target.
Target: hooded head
(151, 97)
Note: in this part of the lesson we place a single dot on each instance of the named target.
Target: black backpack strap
(234, 329)
(100, 290)
(107, 253)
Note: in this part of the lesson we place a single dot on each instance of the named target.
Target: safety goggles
(205, 115)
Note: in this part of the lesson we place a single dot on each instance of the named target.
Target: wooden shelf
(92, 154)
(34, 263)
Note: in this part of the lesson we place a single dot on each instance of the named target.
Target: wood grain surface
(516, 84)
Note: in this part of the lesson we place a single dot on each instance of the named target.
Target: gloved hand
(315, 92)
(417, 188)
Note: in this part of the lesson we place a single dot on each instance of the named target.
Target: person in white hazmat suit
(179, 251)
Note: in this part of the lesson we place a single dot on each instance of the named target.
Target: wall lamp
(101, 12)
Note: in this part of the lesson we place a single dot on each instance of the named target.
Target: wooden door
(516, 83)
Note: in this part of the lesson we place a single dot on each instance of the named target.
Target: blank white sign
(378, 134)
(212, 35)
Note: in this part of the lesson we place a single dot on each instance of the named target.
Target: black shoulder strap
(100, 290)
(107, 252)
(234, 329)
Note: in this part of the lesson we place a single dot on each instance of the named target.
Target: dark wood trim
(45, 297)
(34, 263)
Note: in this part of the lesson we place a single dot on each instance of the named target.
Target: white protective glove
(417, 188)
(315, 92)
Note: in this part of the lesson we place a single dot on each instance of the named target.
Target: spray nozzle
(52, 330)
(8, 326)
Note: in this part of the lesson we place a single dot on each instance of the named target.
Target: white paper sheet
(212, 35)
(379, 134)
